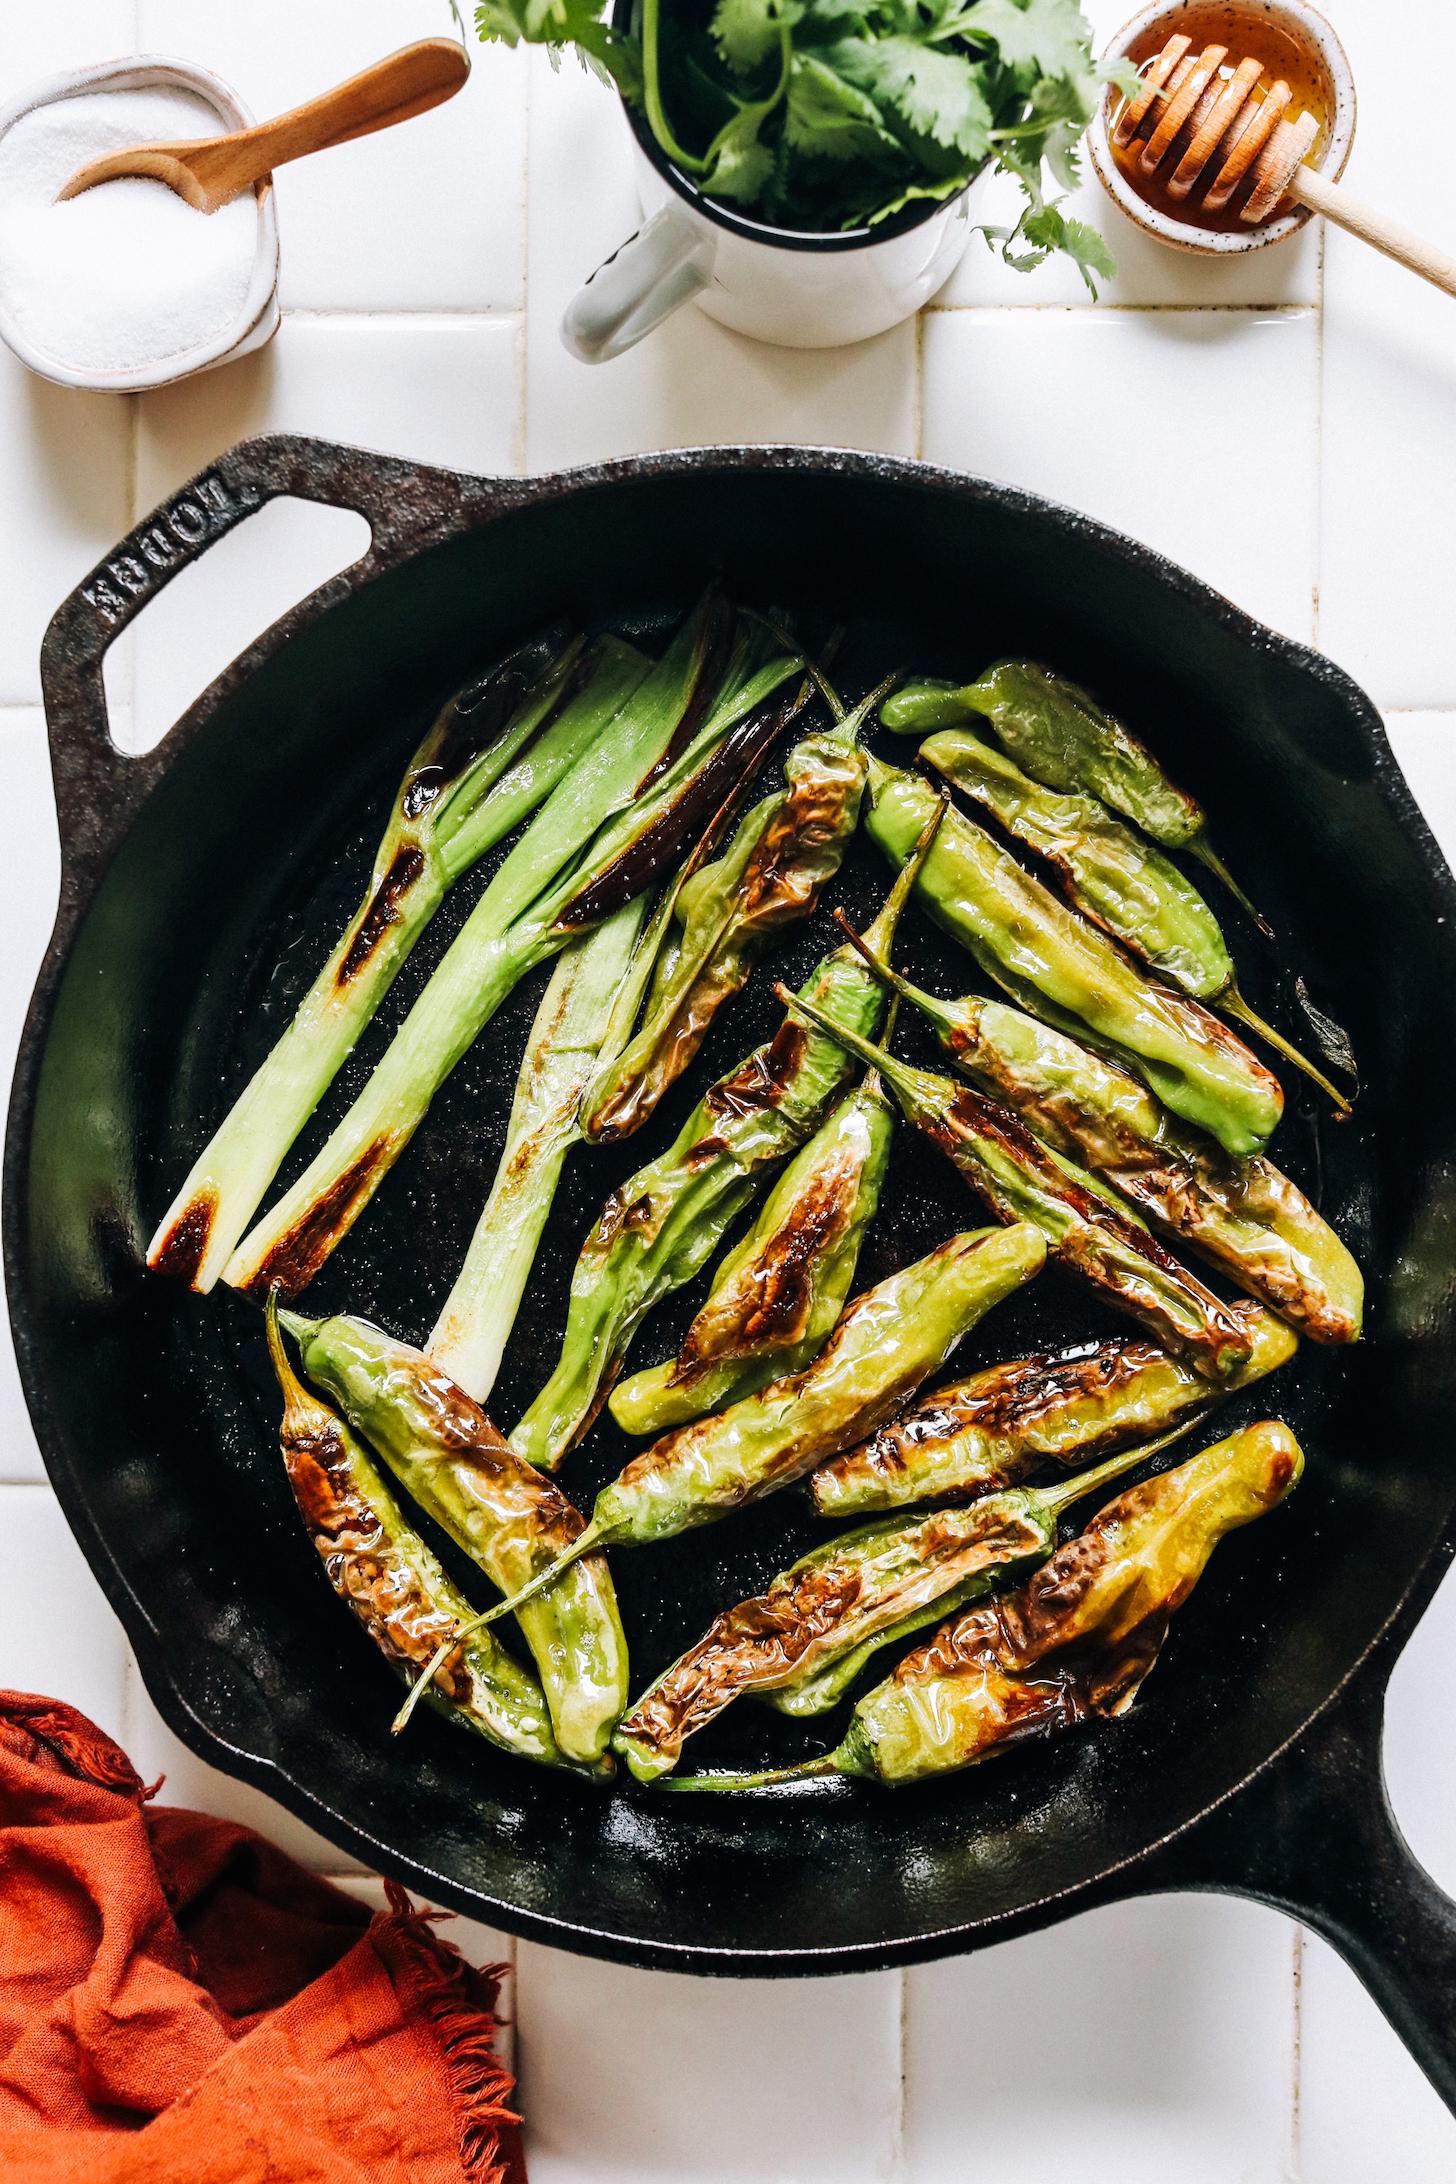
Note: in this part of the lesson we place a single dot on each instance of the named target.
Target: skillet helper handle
(97, 785)
(1315, 1836)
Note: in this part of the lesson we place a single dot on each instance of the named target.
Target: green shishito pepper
(891, 1339)
(617, 817)
(495, 753)
(1054, 963)
(662, 1227)
(803, 1642)
(777, 1295)
(1119, 881)
(782, 856)
(1077, 1640)
(1243, 1214)
(1090, 1233)
(385, 1574)
(1063, 738)
(512, 1522)
(1057, 1407)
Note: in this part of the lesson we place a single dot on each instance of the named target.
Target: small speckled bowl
(1235, 23)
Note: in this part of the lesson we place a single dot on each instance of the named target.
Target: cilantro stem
(657, 119)
(756, 110)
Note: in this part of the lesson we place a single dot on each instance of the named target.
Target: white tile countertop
(1310, 396)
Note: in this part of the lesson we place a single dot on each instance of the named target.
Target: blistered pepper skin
(506, 1517)
(769, 878)
(664, 1225)
(1064, 970)
(888, 1342)
(1010, 1419)
(1079, 1639)
(835, 1604)
(1123, 883)
(393, 1585)
(777, 1296)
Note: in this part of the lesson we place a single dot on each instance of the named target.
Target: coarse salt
(127, 276)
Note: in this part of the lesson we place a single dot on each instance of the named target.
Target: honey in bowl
(1251, 32)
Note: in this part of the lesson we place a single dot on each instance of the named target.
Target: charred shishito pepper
(1055, 1407)
(510, 1520)
(891, 1339)
(803, 1642)
(1075, 1643)
(662, 1226)
(782, 855)
(385, 1574)
(1021, 1179)
(1072, 975)
(1243, 1214)
(1064, 739)
(777, 1295)
(1115, 878)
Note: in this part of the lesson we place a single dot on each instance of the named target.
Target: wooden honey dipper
(1198, 121)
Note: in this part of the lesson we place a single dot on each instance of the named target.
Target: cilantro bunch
(823, 115)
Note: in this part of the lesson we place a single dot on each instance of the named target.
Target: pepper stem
(1207, 855)
(880, 932)
(585, 1543)
(1054, 1499)
(892, 1071)
(1233, 1004)
(827, 1765)
(294, 1397)
(899, 985)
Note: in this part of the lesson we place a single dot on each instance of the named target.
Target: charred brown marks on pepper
(1008, 1402)
(381, 912)
(986, 1118)
(764, 1077)
(363, 1566)
(769, 1303)
(181, 1251)
(298, 1254)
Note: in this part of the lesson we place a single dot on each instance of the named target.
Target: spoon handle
(403, 84)
(1373, 227)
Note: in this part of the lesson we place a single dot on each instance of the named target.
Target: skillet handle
(406, 505)
(1315, 1836)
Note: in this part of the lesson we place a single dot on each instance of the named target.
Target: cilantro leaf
(1048, 36)
(748, 32)
(1043, 229)
(939, 94)
(827, 118)
(740, 165)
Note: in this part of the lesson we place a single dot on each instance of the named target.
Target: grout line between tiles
(1318, 510)
(401, 315)
(1295, 2150)
(523, 337)
(1123, 310)
(918, 399)
(898, 2171)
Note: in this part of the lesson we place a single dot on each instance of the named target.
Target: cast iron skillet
(1252, 1762)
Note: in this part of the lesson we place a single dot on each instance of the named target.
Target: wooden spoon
(1198, 121)
(210, 171)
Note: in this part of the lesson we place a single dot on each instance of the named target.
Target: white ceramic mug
(804, 291)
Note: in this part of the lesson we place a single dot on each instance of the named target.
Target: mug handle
(649, 277)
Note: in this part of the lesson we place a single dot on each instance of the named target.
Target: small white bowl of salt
(125, 286)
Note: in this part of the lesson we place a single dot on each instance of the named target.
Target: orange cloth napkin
(182, 2004)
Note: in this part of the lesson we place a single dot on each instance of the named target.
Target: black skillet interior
(156, 1409)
